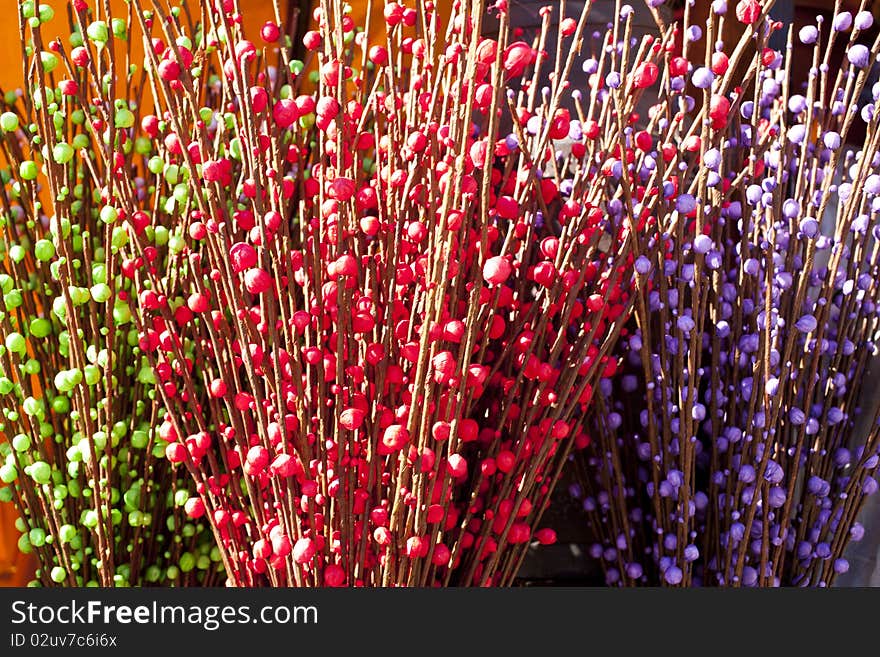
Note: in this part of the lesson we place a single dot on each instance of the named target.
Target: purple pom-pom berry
(634, 570)
(858, 55)
(702, 78)
(831, 140)
(673, 575)
(818, 486)
(702, 244)
(808, 34)
(685, 204)
(806, 324)
(809, 227)
(864, 20)
(842, 22)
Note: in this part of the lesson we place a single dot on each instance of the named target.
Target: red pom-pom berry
(748, 11)
(645, 75)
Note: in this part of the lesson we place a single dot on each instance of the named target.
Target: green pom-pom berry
(40, 472)
(79, 295)
(235, 148)
(28, 170)
(161, 235)
(118, 432)
(139, 439)
(100, 292)
(46, 13)
(37, 537)
(92, 374)
(99, 273)
(44, 250)
(40, 327)
(119, 238)
(21, 442)
(123, 118)
(98, 32)
(33, 407)
(61, 405)
(176, 243)
(120, 28)
(66, 533)
(121, 313)
(8, 121)
(172, 174)
(59, 308)
(67, 380)
(16, 343)
(58, 574)
(89, 518)
(17, 252)
(8, 473)
(109, 214)
(49, 61)
(132, 497)
(143, 146)
(187, 562)
(62, 153)
(146, 375)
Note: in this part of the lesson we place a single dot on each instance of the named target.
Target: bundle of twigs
(377, 316)
(98, 502)
(731, 448)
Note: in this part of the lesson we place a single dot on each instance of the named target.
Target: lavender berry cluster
(736, 445)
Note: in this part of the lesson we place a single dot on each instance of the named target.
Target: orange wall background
(254, 12)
